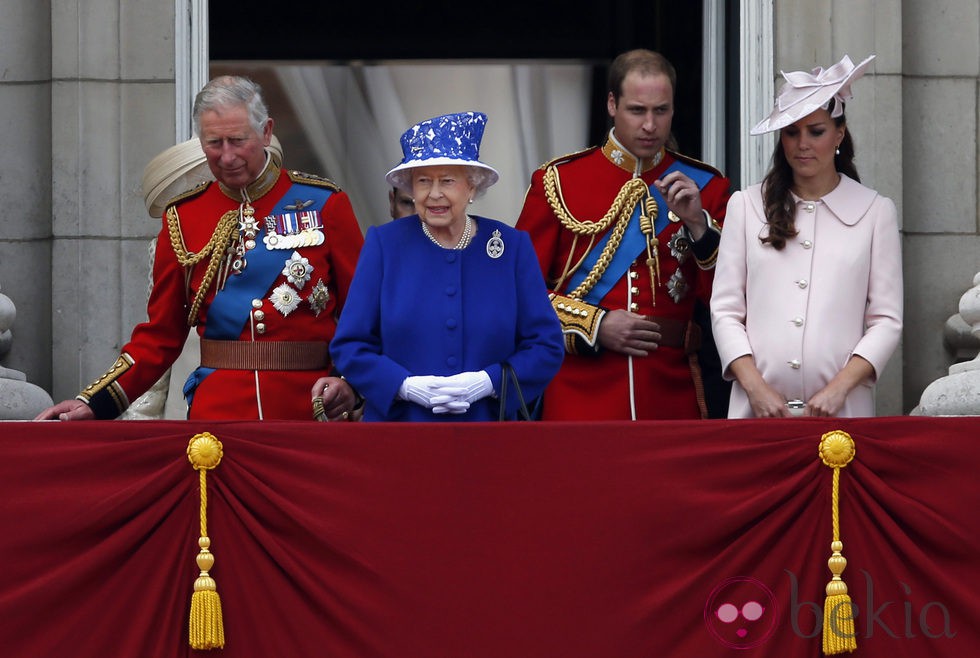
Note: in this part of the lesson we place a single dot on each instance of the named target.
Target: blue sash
(634, 242)
(232, 305)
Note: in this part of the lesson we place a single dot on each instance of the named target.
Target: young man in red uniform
(626, 236)
(259, 261)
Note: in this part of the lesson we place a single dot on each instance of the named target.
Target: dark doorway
(592, 31)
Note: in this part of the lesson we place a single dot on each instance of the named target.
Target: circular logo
(741, 612)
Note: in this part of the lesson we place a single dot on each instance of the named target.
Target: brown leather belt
(269, 355)
(676, 333)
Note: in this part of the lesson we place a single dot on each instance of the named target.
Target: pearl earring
(837, 150)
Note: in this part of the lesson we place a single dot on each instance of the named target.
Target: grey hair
(230, 90)
(480, 179)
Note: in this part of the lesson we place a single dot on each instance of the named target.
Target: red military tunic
(306, 312)
(600, 384)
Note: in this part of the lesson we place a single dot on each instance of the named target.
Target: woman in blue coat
(441, 300)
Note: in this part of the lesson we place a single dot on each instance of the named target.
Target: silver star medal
(495, 245)
(677, 287)
(319, 297)
(680, 246)
(297, 270)
(284, 299)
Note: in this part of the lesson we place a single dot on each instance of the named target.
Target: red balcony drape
(533, 540)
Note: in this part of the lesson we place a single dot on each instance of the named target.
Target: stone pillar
(25, 180)
(112, 110)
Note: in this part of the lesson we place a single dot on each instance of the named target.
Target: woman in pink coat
(807, 301)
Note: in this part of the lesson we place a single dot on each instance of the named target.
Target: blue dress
(415, 308)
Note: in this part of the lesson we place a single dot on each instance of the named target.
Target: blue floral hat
(450, 139)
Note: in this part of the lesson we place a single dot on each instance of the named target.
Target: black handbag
(507, 373)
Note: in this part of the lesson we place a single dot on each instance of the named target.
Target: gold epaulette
(694, 162)
(312, 179)
(577, 318)
(188, 194)
(562, 159)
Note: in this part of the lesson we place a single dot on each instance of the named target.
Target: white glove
(419, 389)
(466, 386)
(451, 406)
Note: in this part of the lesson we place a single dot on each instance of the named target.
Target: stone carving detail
(19, 399)
(958, 393)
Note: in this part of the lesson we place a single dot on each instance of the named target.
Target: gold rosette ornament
(837, 450)
(206, 626)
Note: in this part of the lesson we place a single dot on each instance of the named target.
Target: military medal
(677, 287)
(284, 299)
(495, 245)
(680, 246)
(248, 226)
(319, 297)
(292, 230)
(298, 270)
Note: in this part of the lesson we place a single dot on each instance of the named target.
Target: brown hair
(644, 62)
(777, 199)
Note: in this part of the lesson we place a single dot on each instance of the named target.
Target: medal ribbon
(232, 305)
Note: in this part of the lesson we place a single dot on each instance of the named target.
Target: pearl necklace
(464, 239)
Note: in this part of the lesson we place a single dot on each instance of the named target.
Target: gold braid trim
(222, 236)
(632, 191)
(621, 209)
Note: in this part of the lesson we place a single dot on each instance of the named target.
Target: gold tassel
(836, 451)
(207, 629)
(648, 215)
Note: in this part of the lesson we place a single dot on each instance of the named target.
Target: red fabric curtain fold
(486, 540)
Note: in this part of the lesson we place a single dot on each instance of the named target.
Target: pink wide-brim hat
(804, 93)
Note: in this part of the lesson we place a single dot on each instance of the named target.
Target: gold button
(633, 274)
(634, 307)
(259, 315)
(634, 290)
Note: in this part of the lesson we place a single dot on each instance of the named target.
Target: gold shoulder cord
(620, 210)
(223, 233)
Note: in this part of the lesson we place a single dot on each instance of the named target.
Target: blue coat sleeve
(540, 345)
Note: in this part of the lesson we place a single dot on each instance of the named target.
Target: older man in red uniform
(627, 235)
(259, 262)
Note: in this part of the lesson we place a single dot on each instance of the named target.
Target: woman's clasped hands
(446, 395)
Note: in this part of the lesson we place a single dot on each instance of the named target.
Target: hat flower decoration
(804, 93)
(450, 139)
